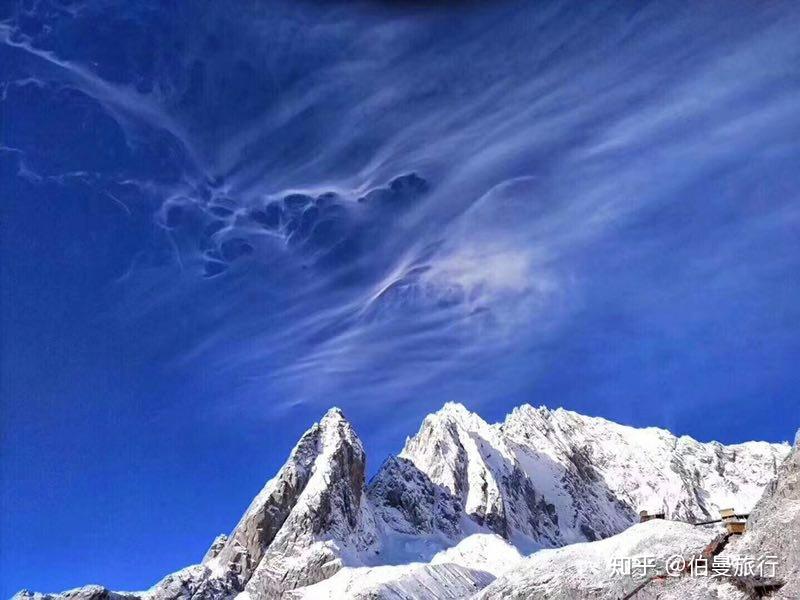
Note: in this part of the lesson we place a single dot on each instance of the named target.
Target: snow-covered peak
(311, 511)
(456, 449)
(454, 413)
(333, 415)
(335, 429)
(553, 476)
(455, 410)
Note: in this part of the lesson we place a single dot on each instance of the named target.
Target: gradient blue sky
(605, 217)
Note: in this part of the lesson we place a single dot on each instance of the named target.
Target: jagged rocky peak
(681, 466)
(437, 450)
(440, 447)
(293, 529)
(551, 477)
(330, 520)
(336, 428)
(461, 452)
(526, 415)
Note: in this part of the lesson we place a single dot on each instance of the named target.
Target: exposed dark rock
(410, 502)
(216, 547)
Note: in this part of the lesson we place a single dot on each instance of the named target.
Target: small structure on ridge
(644, 516)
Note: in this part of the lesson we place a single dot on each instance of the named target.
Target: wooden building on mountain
(644, 516)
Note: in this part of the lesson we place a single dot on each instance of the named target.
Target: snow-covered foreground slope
(582, 571)
(540, 479)
(457, 572)
(483, 552)
(417, 581)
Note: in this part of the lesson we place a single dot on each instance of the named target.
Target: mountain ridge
(541, 478)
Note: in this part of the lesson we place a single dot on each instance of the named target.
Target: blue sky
(219, 221)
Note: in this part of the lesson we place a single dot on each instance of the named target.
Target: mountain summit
(460, 491)
(304, 518)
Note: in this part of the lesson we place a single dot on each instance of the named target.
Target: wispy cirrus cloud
(565, 156)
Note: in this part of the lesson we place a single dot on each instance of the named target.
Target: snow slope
(583, 571)
(457, 572)
(484, 552)
(416, 581)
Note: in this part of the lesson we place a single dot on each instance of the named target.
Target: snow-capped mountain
(581, 571)
(547, 478)
(308, 520)
(453, 510)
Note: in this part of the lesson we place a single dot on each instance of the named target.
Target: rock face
(216, 547)
(541, 478)
(408, 502)
(774, 526)
(296, 529)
